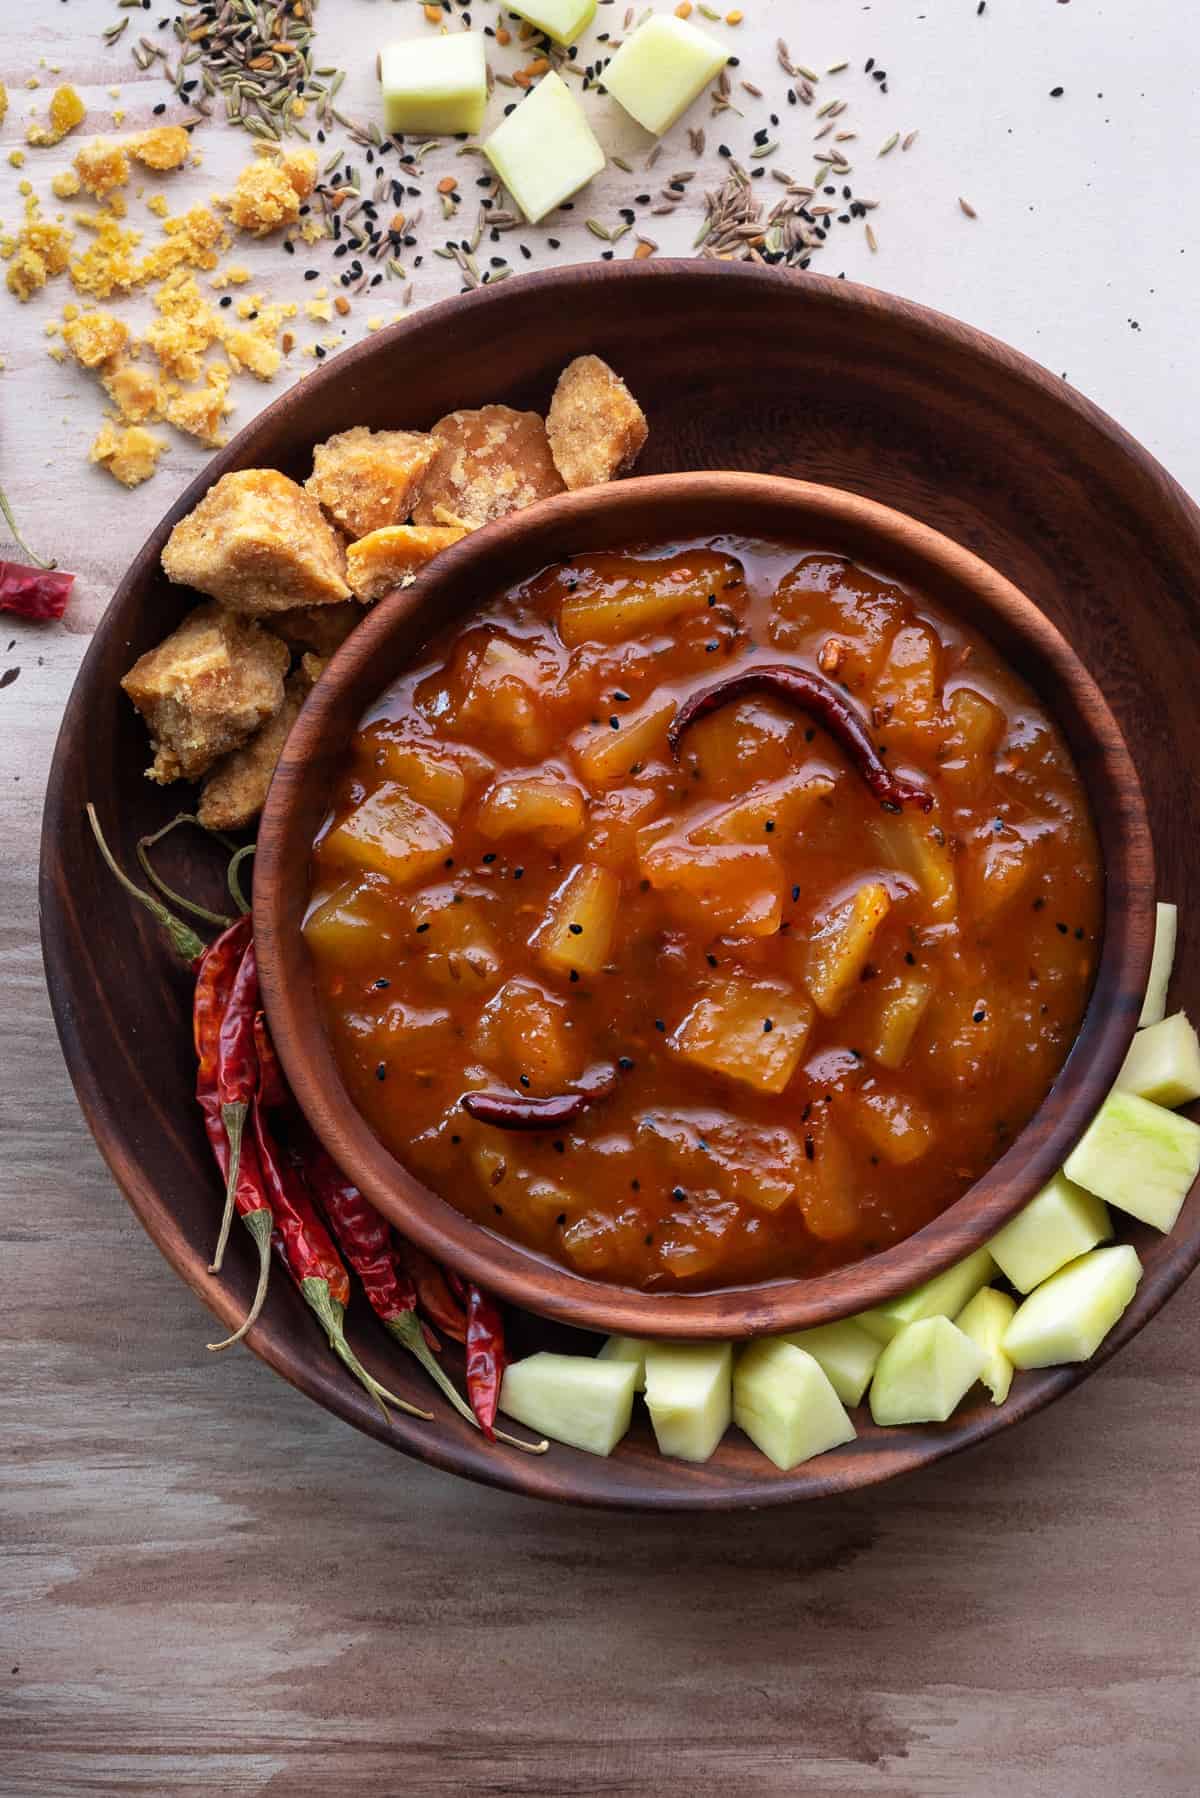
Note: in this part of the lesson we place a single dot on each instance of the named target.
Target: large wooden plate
(739, 368)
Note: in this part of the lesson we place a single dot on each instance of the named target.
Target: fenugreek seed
(967, 208)
(891, 143)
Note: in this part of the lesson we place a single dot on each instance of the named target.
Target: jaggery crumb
(264, 198)
(130, 456)
(102, 166)
(92, 337)
(163, 147)
(66, 111)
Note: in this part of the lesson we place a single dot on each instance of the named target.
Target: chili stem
(17, 538)
(331, 1314)
(146, 843)
(233, 877)
(259, 1225)
(234, 1119)
(184, 940)
(406, 1328)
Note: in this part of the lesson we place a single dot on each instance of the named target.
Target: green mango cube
(845, 1353)
(689, 1394)
(561, 20)
(628, 1348)
(1139, 1157)
(1069, 1316)
(784, 1403)
(661, 69)
(985, 1320)
(923, 1373)
(1063, 1221)
(585, 1403)
(943, 1296)
(1154, 1005)
(545, 151)
(435, 85)
(1163, 1063)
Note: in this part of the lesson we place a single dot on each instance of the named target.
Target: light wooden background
(209, 1587)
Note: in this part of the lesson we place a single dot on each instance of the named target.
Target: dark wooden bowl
(663, 509)
(738, 367)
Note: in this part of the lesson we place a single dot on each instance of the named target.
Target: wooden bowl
(894, 402)
(657, 510)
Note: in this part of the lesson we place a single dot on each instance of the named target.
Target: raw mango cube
(783, 1401)
(1069, 1316)
(661, 69)
(943, 1296)
(577, 931)
(924, 1372)
(585, 1403)
(544, 151)
(434, 84)
(561, 20)
(1139, 1156)
(1154, 1005)
(628, 1348)
(985, 1320)
(845, 1353)
(1062, 1222)
(1163, 1063)
(689, 1392)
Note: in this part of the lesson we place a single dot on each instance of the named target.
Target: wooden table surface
(209, 1587)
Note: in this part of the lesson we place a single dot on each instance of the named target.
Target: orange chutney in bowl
(703, 914)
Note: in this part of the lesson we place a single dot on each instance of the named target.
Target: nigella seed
(381, 1071)
(768, 1026)
(575, 929)
(422, 928)
(625, 1063)
(382, 983)
(524, 1080)
(660, 1025)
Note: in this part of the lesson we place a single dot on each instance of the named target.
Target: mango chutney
(690, 992)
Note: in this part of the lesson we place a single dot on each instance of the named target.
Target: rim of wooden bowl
(654, 510)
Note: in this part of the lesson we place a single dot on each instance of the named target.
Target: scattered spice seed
(891, 143)
(967, 208)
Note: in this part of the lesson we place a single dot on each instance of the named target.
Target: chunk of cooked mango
(205, 689)
(920, 848)
(526, 1030)
(894, 1125)
(605, 756)
(576, 934)
(901, 1002)
(610, 604)
(368, 479)
(529, 805)
(390, 833)
(353, 924)
(507, 694)
(729, 889)
(771, 814)
(259, 544)
(840, 946)
(489, 462)
(750, 1030)
(425, 769)
(386, 558)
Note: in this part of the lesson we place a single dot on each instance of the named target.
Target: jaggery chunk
(136, 392)
(322, 629)
(488, 463)
(101, 166)
(258, 543)
(95, 336)
(300, 167)
(595, 426)
(66, 111)
(236, 790)
(366, 479)
(163, 147)
(130, 456)
(264, 198)
(200, 411)
(205, 690)
(381, 560)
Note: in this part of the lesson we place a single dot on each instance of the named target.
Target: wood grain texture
(662, 510)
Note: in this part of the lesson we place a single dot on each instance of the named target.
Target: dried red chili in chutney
(829, 1008)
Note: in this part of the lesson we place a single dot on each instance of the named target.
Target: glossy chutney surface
(824, 1018)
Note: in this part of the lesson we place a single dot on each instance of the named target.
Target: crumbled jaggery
(258, 543)
(300, 167)
(381, 560)
(92, 337)
(264, 198)
(26, 272)
(236, 790)
(205, 690)
(102, 166)
(130, 456)
(163, 147)
(3, 103)
(200, 411)
(107, 266)
(65, 185)
(366, 479)
(595, 426)
(186, 326)
(136, 392)
(320, 628)
(192, 241)
(66, 111)
(489, 462)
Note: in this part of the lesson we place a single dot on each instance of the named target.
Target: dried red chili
(822, 701)
(486, 1359)
(509, 1110)
(237, 1077)
(272, 1085)
(433, 1292)
(34, 593)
